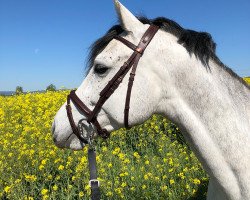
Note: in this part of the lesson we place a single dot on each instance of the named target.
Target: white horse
(180, 77)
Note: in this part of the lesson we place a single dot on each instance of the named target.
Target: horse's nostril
(53, 127)
(54, 139)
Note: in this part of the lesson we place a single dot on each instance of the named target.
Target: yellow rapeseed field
(247, 79)
(150, 161)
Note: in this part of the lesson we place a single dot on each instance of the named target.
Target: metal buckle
(94, 180)
(88, 136)
(81, 127)
(139, 50)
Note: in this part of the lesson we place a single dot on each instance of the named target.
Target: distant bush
(19, 90)
(51, 87)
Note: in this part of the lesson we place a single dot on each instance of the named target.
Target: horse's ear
(127, 19)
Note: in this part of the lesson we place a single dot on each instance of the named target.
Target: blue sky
(44, 42)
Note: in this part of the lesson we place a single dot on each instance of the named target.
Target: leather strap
(126, 42)
(144, 42)
(130, 85)
(72, 123)
(93, 182)
(79, 103)
(83, 108)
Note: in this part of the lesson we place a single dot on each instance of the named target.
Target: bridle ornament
(112, 85)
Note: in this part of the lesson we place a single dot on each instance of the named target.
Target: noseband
(112, 85)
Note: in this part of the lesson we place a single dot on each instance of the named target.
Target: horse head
(106, 57)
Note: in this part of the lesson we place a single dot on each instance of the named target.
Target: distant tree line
(19, 89)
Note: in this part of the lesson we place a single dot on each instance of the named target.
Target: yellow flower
(104, 149)
(126, 161)
(28, 198)
(121, 174)
(118, 190)
(163, 188)
(81, 194)
(144, 187)
(124, 184)
(70, 186)
(121, 156)
(55, 187)
(87, 187)
(44, 161)
(17, 181)
(147, 162)
(136, 155)
(181, 175)
(44, 191)
(10, 154)
(116, 151)
(30, 178)
(49, 177)
(7, 189)
(171, 181)
(98, 158)
(185, 169)
(45, 197)
(170, 161)
(196, 181)
(110, 165)
(109, 193)
(61, 167)
(41, 167)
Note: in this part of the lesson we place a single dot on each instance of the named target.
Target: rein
(108, 90)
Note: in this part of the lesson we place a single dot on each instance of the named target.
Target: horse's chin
(72, 143)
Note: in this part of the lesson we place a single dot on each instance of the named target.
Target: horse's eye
(100, 69)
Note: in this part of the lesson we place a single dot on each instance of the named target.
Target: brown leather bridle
(112, 85)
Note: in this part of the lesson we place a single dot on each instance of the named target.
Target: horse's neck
(212, 110)
(215, 93)
(234, 89)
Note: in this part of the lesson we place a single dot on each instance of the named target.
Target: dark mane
(199, 44)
